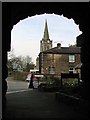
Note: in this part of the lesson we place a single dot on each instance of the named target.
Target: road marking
(9, 92)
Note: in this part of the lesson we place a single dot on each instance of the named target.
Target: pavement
(32, 103)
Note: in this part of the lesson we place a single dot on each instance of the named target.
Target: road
(23, 103)
(14, 85)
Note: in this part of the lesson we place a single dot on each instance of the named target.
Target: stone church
(45, 43)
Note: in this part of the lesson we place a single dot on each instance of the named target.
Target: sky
(27, 33)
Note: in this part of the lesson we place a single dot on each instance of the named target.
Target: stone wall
(59, 61)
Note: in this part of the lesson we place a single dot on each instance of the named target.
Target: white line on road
(18, 91)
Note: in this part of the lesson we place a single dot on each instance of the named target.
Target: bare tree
(11, 54)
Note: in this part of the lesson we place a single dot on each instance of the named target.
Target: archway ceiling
(13, 12)
(70, 10)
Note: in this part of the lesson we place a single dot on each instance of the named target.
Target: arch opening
(61, 30)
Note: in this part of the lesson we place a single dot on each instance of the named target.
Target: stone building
(59, 59)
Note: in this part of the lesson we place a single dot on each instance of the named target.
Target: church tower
(45, 43)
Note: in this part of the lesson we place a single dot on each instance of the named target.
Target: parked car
(28, 78)
(35, 79)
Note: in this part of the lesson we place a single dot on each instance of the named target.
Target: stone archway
(14, 12)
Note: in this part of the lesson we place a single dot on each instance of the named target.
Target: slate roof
(63, 50)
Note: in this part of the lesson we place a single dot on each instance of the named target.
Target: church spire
(45, 43)
(46, 34)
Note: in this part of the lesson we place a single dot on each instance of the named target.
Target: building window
(71, 58)
(52, 70)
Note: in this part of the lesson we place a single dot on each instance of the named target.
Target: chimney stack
(58, 45)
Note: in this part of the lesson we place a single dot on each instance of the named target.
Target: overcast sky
(26, 34)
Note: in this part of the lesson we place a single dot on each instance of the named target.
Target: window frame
(71, 58)
(51, 70)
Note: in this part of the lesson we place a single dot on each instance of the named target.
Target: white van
(28, 78)
(34, 71)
